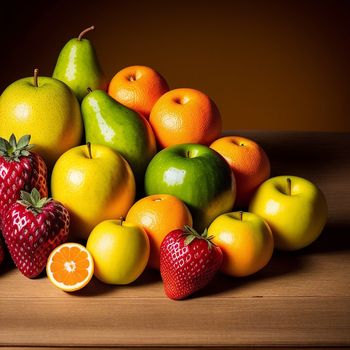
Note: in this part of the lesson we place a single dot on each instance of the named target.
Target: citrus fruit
(70, 267)
(185, 116)
(249, 163)
(158, 215)
(138, 87)
(246, 242)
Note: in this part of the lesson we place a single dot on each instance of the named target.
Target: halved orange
(70, 267)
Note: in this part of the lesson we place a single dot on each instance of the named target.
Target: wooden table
(299, 299)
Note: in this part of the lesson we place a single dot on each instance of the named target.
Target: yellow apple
(46, 109)
(94, 183)
(294, 208)
(246, 242)
(120, 251)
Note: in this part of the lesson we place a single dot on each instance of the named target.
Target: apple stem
(85, 31)
(89, 149)
(121, 220)
(289, 186)
(36, 73)
(89, 89)
(241, 215)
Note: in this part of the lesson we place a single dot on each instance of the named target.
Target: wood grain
(299, 299)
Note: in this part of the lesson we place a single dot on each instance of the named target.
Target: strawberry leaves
(191, 234)
(12, 150)
(33, 201)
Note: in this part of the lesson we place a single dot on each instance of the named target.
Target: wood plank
(153, 322)
(315, 271)
(300, 298)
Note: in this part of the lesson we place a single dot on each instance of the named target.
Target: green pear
(108, 122)
(77, 66)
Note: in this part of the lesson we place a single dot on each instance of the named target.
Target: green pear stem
(89, 89)
(241, 215)
(89, 149)
(85, 31)
(36, 73)
(289, 186)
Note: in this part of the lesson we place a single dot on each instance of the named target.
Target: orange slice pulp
(70, 267)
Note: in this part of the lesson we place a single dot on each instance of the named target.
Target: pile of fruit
(153, 185)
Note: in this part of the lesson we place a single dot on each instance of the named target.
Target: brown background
(268, 64)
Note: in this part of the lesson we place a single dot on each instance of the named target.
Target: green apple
(120, 251)
(107, 122)
(294, 208)
(44, 108)
(246, 242)
(198, 176)
(94, 183)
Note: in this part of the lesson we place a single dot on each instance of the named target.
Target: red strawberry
(188, 262)
(20, 169)
(32, 228)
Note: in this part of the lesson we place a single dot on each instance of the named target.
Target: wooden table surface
(299, 299)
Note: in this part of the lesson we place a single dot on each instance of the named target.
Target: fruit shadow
(334, 238)
(7, 265)
(98, 288)
(282, 263)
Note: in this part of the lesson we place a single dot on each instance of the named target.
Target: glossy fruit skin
(185, 269)
(138, 87)
(109, 123)
(94, 189)
(31, 237)
(185, 116)
(120, 251)
(198, 176)
(158, 215)
(295, 220)
(50, 113)
(248, 162)
(22, 175)
(78, 67)
(247, 244)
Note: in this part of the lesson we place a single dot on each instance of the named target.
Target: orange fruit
(138, 87)
(185, 116)
(70, 267)
(158, 215)
(249, 163)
